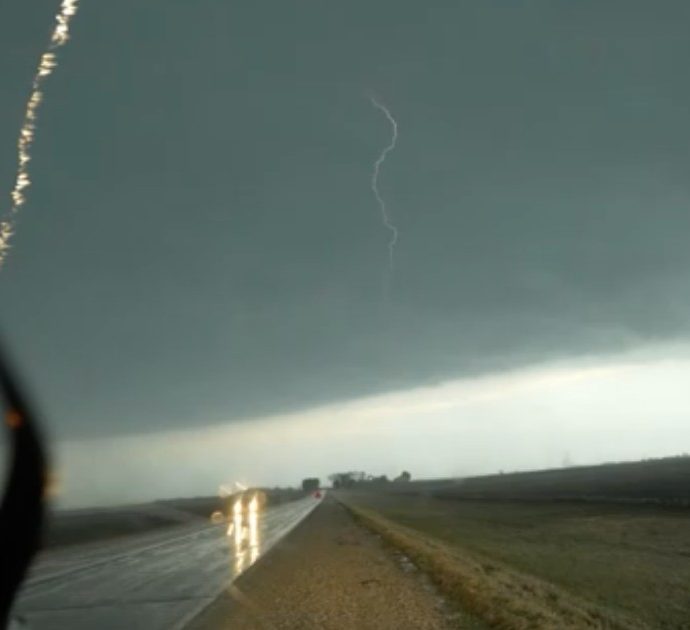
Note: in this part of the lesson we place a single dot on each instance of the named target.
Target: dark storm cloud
(202, 242)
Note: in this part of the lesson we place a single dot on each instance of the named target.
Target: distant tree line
(354, 478)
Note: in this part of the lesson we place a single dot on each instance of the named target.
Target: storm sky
(201, 248)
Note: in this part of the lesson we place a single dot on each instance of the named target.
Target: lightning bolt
(385, 217)
(46, 66)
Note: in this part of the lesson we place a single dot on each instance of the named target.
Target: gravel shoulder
(332, 573)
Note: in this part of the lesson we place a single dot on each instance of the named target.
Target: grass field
(631, 560)
(660, 481)
(664, 481)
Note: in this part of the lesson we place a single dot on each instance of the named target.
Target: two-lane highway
(160, 580)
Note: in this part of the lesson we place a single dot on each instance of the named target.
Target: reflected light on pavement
(243, 533)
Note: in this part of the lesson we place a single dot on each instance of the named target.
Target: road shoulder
(331, 573)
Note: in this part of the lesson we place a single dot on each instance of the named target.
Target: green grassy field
(629, 559)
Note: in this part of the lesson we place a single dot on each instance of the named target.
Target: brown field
(664, 481)
(545, 564)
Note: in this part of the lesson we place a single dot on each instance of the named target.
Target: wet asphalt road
(160, 580)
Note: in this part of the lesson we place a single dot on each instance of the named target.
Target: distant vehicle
(311, 484)
(317, 494)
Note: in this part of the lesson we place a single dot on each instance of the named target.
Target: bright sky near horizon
(612, 409)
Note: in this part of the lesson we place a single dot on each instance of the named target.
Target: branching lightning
(46, 66)
(385, 216)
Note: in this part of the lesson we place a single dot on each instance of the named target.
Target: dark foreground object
(330, 573)
(21, 510)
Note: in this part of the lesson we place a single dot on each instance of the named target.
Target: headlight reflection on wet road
(243, 533)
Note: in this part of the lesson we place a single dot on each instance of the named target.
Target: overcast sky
(202, 252)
